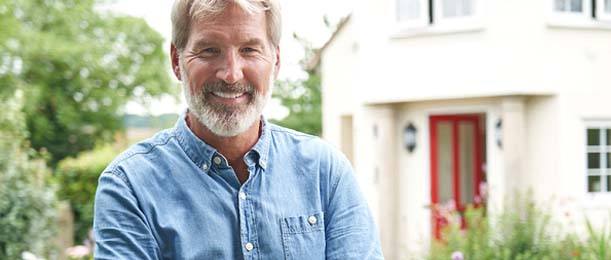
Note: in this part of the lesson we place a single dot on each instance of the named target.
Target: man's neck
(233, 148)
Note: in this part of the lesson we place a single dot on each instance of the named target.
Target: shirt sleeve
(120, 228)
(349, 227)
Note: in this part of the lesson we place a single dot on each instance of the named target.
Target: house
(467, 101)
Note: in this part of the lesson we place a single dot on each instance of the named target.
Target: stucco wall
(545, 81)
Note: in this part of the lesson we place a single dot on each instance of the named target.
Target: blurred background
(478, 129)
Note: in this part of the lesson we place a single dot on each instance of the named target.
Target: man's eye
(210, 51)
(249, 50)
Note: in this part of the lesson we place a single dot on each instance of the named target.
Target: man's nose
(230, 70)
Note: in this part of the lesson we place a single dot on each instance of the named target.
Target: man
(224, 183)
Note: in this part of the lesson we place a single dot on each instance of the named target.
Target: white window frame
(603, 148)
(440, 24)
(421, 22)
(583, 20)
(571, 17)
(601, 15)
(459, 21)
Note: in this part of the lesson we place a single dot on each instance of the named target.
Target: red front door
(456, 164)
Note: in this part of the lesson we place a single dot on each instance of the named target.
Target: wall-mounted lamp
(498, 132)
(409, 137)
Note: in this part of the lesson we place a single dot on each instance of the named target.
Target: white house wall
(546, 81)
(340, 86)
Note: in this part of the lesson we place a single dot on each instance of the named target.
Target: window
(603, 10)
(457, 8)
(571, 6)
(424, 13)
(412, 13)
(581, 11)
(598, 159)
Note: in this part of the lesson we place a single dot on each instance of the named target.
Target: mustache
(222, 86)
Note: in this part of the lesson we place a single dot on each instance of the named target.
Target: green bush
(27, 204)
(77, 179)
(521, 231)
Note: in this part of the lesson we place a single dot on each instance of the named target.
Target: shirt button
(205, 167)
(217, 160)
(242, 195)
(312, 220)
(249, 246)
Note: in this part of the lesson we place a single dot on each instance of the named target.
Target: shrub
(28, 204)
(520, 231)
(77, 179)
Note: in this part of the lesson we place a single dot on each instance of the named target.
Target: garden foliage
(77, 179)
(80, 66)
(521, 231)
(28, 204)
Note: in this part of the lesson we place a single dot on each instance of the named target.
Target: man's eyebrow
(253, 41)
(200, 44)
(204, 43)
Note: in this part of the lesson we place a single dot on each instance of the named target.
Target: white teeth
(228, 95)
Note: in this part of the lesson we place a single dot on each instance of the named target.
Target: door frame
(434, 171)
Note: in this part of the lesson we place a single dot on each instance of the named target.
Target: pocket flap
(303, 223)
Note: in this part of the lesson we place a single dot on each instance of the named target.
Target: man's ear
(175, 61)
(277, 64)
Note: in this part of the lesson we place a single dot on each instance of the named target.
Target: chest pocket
(303, 237)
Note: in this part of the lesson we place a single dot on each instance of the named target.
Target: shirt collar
(202, 153)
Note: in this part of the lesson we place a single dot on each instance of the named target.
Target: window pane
(576, 6)
(454, 8)
(593, 183)
(450, 8)
(608, 182)
(467, 7)
(408, 9)
(466, 146)
(608, 160)
(444, 162)
(593, 160)
(559, 5)
(609, 130)
(607, 6)
(593, 136)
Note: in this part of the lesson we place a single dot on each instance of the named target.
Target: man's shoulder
(293, 137)
(305, 144)
(144, 152)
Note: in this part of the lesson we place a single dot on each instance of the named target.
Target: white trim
(601, 12)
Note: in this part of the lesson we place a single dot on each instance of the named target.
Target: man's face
(227, 69)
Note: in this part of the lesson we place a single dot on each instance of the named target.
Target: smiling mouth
(228, 94)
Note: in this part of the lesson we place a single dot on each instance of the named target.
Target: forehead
(233, 23)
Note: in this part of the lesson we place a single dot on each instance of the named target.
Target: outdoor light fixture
(498, 134)
(409, 137)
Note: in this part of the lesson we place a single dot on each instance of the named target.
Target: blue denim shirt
(175, 197)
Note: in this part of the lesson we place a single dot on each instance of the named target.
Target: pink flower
(457, 255)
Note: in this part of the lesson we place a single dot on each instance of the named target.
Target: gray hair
(186, 11)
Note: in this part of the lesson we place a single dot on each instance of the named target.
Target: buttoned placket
(248, 232)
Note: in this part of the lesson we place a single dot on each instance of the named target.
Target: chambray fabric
(175, 197)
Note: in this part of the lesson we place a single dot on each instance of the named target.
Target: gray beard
(223, 120)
